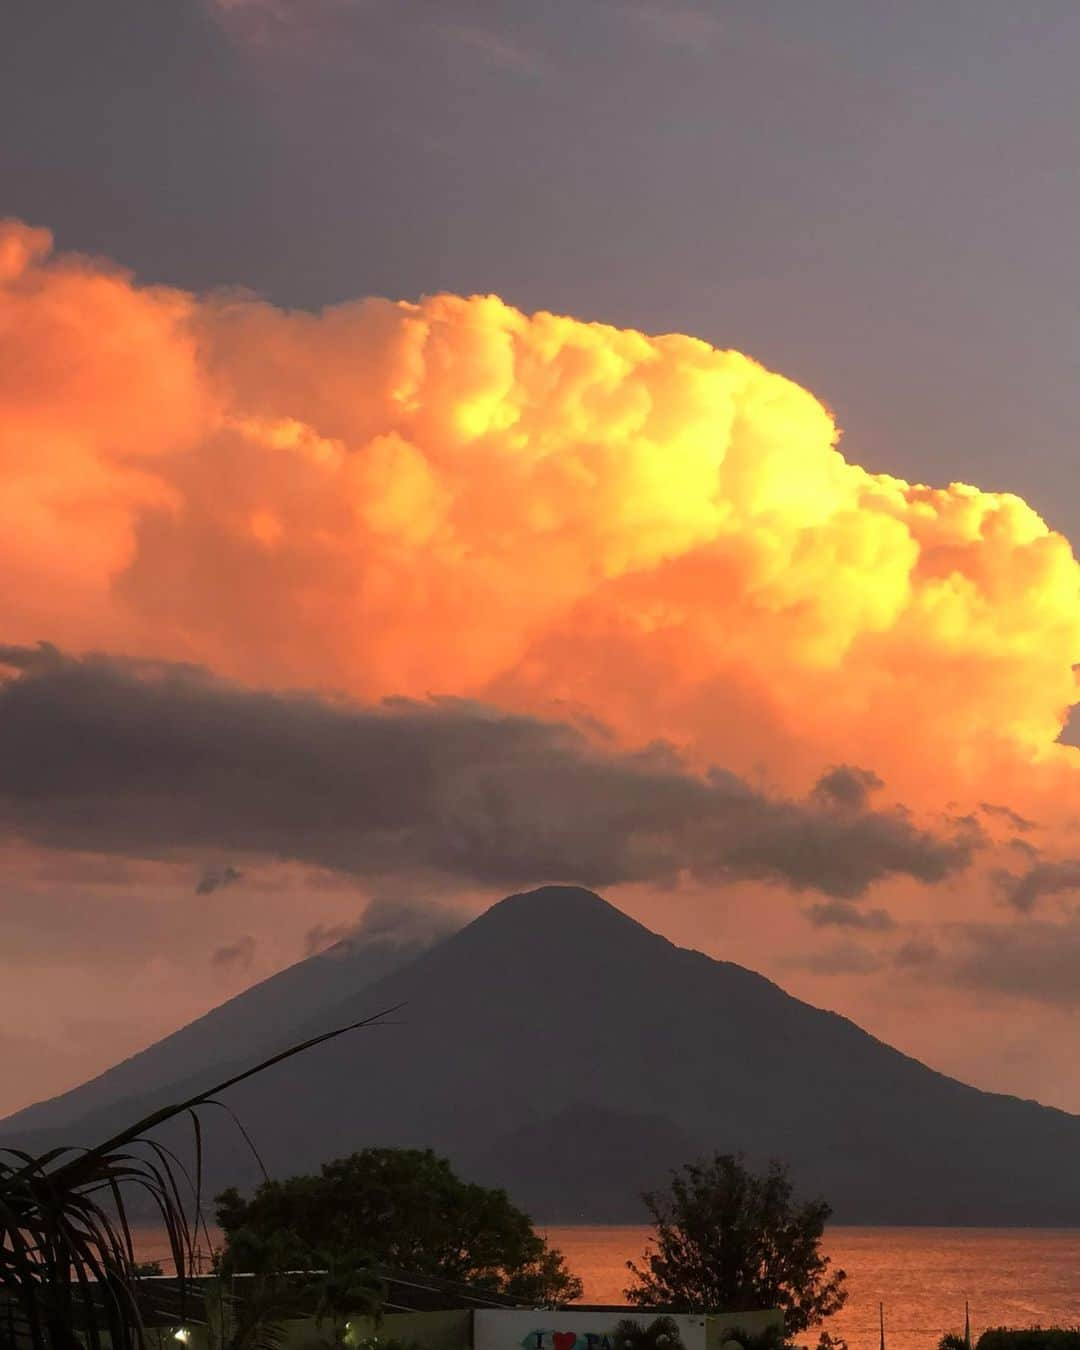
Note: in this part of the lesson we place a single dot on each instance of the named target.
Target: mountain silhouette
(574, 1166)
(245, 1028)
(558, 1048)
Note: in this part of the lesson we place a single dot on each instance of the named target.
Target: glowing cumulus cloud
(456, 497)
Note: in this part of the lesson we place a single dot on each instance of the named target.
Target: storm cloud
(1025, 891)
(1031, 959)
(217, 878)
(1028, 960)
(843, 914)
(236, 955)
(153, 759)
(846, 785)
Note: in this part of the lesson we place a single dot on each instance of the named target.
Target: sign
(614, 1329)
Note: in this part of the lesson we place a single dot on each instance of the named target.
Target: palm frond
(67, 1255)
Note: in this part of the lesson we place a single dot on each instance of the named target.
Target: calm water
(1013, 1277)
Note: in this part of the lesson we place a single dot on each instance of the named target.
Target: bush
(1033, 1338)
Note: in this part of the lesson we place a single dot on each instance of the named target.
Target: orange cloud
(455, 497)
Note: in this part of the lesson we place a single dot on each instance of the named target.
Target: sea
(920, 1278)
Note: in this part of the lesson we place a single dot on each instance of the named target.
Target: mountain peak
(574, 912)
(558, 927)
(565, 901)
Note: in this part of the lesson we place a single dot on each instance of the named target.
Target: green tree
(727, 1239)
(346, 1287)
(408, 1210)
(282, 1278)
(256, 1309)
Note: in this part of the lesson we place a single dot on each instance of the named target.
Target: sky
(450, 447)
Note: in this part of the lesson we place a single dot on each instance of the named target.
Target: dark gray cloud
(154, 760)
(215, 878)
(1025, 891)
(846, 785)
(1030, 959)
(1007, 814)
(236, 955)
(814, 848)
(844, 914)
(916, 954)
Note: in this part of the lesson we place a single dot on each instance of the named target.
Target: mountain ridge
(553, 1001)
(230, 1031)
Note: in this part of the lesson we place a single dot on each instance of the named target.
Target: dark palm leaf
(66, 1251)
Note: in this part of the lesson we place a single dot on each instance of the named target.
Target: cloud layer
(153, 760)
(455, 498)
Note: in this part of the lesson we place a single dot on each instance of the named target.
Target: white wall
(509, 1329)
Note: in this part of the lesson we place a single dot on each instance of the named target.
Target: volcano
(558, 1048)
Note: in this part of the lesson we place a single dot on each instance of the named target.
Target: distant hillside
(584, 1162)
(560, 1048)
(248, 1026)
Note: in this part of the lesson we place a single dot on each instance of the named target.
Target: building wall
(429, 1330)
(504, 1329)
(569, 1329)
(719, 1326)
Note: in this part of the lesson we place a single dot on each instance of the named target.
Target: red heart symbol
(564, 1340)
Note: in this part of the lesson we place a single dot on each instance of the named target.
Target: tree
(347, 1287)
(408, 1210)
(252, 1317)
(727, 1239)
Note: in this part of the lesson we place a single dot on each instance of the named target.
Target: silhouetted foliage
(66, 1250)
(1031, 1338)
(662, 1333)
(385, 1343)
(407, 1210)
(729, 1240)
(346, 1286)
(253, 1315)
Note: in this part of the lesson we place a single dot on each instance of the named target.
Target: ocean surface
(1016, 1277)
